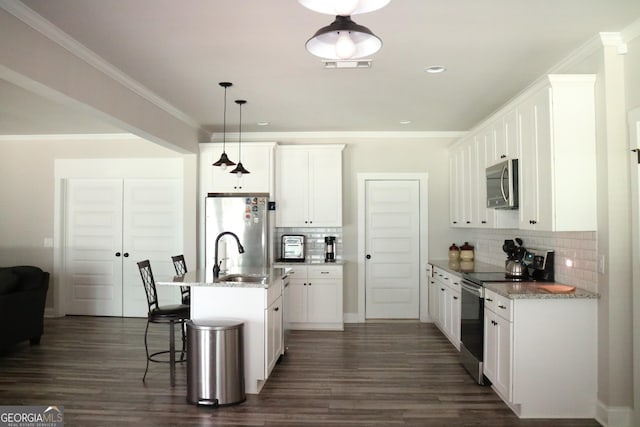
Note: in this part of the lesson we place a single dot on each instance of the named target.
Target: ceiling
(180, 50)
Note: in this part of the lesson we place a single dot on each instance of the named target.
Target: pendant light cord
(224, 121)
(240, 136)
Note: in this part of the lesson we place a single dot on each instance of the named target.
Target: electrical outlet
(601, 263)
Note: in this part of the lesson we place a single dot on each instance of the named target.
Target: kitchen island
(256, 298)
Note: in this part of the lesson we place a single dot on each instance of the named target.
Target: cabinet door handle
(442, 289)
(325, 272)
(502, 307)
(309, 283)
(483, 222)
(276, 309)
(455, 297)
(489, 299)
(468, 222)
(118, 254)
(126, 255)
(368, 256)
(503, 156)
(455, 222)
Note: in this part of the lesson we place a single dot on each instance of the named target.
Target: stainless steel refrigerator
(246, 215)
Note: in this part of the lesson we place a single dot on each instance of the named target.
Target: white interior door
(392, 240)
(111, 224)
(93, 237)
(152, 229)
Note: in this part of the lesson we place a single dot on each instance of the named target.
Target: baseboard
(51, 312)
(351, 318)
(614, 416)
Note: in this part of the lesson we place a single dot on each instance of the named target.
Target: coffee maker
(329, 249)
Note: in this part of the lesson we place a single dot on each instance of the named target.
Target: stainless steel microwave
(502, 185)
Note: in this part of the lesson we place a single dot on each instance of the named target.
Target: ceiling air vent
(359, 63)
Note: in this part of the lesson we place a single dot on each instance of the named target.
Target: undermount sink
(245, 278)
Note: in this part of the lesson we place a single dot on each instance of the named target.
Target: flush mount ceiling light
(344, 7)
(224, 161)
(343, 39)
(240, 170)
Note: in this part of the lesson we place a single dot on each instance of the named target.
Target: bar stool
(181, 268)
(168, 314)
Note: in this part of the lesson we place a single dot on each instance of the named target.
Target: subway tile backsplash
(578, 248)
(314, 241)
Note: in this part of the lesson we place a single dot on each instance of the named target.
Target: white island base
(259, 306)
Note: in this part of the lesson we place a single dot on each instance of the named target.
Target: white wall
(632, 84)
(387, 155)
(27, 190)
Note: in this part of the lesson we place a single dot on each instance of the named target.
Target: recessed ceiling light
(263, 123)
(405, 122)
(435, 69)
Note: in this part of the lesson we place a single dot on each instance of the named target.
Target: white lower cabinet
(540, 354)
(274, 334)
(445, 289)
(497, 344)
(315, 297)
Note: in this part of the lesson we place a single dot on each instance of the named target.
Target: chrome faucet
(216, 267)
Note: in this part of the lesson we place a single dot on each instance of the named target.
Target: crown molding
(72, 137)
(278, 136)
(590, 47)
(56, 35)
(631, 32)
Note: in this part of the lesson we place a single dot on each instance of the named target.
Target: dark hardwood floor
(374, 374)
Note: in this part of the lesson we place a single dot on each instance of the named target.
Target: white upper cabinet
(455, 188)
(309, 186)
(557, 141)
(506, 139)
(550, 129)
(257, 158)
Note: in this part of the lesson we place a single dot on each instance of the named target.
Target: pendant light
(224, 161)
(240, 170)
(343, 39)
(344, 7)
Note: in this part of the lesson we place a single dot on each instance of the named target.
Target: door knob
(368, 256)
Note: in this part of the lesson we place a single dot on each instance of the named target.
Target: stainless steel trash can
(215, 362)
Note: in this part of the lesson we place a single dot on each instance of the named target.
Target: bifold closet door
(152, 229)
(93, 247)
(110, 224)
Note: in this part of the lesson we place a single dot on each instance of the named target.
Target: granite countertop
(199, 278)
(516, 290)
(308, 262)
(536, 290)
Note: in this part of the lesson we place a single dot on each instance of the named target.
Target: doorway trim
(634, 145)
(120, 168)
(423, 180)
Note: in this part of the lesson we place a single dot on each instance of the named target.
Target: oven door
(472, 329)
